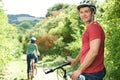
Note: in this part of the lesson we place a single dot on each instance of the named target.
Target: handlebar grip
(49, 71)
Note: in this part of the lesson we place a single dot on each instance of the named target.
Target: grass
(15, 70)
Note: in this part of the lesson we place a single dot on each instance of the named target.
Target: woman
(32, 53)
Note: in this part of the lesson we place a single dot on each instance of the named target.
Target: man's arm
(90, 57)
(92, 53)
(78, 57)
(73, 61)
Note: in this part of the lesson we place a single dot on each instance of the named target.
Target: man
(91, 55)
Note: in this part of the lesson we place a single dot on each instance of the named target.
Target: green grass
(15, 70)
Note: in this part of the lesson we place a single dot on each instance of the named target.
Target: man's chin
(85, 21)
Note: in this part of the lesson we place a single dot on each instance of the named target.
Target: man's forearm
(87, 62)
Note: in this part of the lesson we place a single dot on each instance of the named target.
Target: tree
(25, 25)
(9, 44)
(56, 7)
(112, 22)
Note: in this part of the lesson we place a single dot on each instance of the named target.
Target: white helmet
(33, 39)
(88, 3)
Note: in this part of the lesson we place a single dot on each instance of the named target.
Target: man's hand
(72, 61)
(75, 75)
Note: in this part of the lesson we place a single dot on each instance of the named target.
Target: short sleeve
(36, 47)
(94, 31)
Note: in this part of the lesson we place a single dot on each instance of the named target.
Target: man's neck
(88, 23)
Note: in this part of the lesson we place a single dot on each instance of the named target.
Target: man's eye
(81, 12)
(86, 11)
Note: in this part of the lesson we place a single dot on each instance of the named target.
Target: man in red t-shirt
(91, 55)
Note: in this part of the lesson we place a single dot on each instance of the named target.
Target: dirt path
(16, 70)
(42, 76)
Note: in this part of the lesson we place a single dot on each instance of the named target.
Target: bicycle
(33, 69)
(60, 67)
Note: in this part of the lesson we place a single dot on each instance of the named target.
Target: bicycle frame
(32, 71)
(58, 67)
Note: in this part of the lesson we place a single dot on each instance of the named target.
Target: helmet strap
(91, 19)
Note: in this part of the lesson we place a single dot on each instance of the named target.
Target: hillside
(18, 18)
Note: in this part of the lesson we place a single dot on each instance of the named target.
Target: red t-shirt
(93, 31)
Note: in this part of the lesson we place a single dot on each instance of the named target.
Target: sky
(37, 8)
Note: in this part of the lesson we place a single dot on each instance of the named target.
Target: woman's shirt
(32, 48)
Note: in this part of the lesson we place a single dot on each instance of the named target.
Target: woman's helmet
(33, 39)
(87, 3)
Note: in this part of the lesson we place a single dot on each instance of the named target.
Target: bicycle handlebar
(53, 69)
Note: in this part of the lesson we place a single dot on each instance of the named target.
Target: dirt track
(16, 70)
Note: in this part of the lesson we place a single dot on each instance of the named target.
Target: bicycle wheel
(60, 74)
(31, 75)
(31, 71)
(34, 72)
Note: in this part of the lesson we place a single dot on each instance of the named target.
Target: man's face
(86, 14)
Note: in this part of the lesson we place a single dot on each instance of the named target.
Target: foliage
(56, 7)
(52, 60)
(9, 44)
(65, 25)
(112, 21)
(25, 25)
(45, 42)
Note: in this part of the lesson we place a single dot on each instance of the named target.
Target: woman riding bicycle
(32, 53)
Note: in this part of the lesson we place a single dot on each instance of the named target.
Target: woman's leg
(28, 65)
(36, 58)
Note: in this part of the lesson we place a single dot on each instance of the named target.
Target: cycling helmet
(33, 39)
(88, 3)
